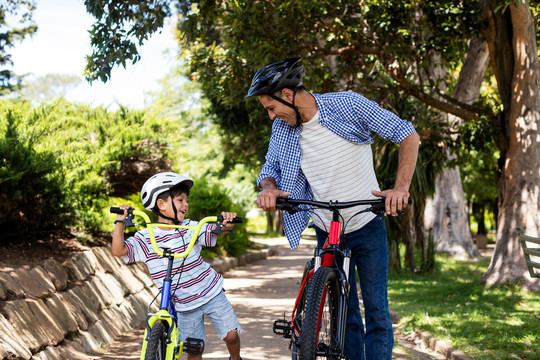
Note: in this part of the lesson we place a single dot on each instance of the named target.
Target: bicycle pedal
(194, 346)
(283, 328)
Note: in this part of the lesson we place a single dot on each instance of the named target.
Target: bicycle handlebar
(291, 205)
(149, 225)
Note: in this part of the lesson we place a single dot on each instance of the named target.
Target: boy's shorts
(220, 312)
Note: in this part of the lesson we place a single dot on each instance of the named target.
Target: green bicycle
(161, 334)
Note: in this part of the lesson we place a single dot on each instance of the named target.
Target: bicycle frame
(324, 257)
(167, 312)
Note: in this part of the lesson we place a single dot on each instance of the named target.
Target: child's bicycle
(317, 326)
(161, 335)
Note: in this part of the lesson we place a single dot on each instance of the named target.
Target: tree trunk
(514, 56)
(446, 214)
(269, 222)
(279, 223)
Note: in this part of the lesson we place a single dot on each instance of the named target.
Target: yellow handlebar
(196, 230)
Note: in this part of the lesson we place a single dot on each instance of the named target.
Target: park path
(260, 293)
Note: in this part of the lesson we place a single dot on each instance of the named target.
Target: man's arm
(266, 199)
(397, 198)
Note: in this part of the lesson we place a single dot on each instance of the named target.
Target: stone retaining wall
(72, 310)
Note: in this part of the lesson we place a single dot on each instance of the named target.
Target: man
(320, 149)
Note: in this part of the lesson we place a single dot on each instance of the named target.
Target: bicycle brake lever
(291, 209)
(378, 209)
(219, 229)
(129, 219)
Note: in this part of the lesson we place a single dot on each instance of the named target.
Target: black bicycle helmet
(277, 75)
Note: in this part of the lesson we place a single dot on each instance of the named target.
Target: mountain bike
(317, 325)
(161, 334)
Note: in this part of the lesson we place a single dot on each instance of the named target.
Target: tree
(20, 11)
(375, 47)
(118, 22)
(447, 211)
(48, 87)
(512, 41)
(218, 37)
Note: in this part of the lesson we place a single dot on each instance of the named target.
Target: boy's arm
(118, 247)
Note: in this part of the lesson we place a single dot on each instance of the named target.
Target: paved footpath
(260, 293)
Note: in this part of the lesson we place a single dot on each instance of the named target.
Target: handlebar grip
(116, 210)
(236, 220)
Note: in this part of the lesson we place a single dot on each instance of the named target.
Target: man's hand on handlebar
(396, 200)
(266, 199)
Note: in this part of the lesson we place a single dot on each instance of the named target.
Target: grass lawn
(451, 304)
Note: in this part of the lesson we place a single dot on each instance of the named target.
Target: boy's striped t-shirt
(199, 282)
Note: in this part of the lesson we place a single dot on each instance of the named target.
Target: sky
(60, 46)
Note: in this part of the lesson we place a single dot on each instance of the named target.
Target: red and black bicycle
(317, 325)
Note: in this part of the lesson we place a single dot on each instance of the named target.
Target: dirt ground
(25, 254)
(260, 293)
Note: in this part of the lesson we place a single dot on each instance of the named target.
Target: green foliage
(68, 154)
(478, 157)
(345, 44)
(119, 21)
(452, 304)
(207, 199)
(21, 11)
(32, 192)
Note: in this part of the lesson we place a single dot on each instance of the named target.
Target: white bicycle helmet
(159, 184)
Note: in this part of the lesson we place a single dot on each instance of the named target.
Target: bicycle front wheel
(157, 342)
(320, 328)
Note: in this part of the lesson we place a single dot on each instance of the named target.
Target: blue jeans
(369, 253)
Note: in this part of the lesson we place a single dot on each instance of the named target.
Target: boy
(200, 290)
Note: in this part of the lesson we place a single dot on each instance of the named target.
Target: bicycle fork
(324, 256)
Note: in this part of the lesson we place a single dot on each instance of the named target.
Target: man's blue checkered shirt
(348, 115)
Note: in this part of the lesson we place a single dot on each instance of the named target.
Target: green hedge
(58, 162)
(33, 197)
(207, 199)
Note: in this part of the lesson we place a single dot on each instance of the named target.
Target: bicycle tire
(320, 325)
(157, 342)
(300, 313)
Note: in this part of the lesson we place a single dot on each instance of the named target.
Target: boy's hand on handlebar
(227, 218)
(266, 199)
(396, 200)
(122, 217)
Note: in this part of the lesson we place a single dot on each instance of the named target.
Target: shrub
(207, 199)
(32, 192)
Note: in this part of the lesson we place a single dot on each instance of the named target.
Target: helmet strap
(175, 219)
(292, 106)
